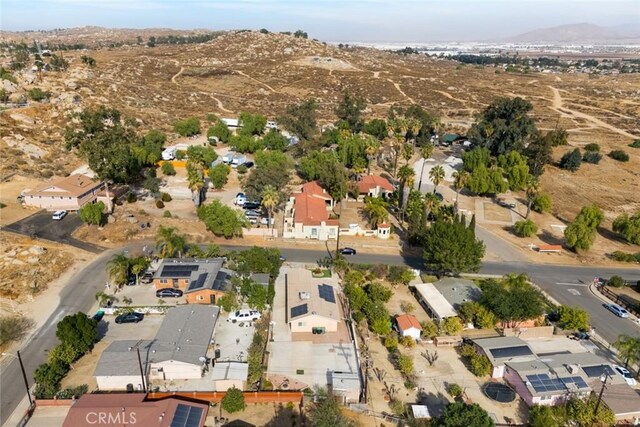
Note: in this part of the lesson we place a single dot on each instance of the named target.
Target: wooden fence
(249, 396)
(631, 308)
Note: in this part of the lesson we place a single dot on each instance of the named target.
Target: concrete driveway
(42, 226)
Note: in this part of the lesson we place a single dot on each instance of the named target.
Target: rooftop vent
(305, 295)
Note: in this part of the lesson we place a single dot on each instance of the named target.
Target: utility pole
(605, 376)
(24, 375)
(144, 386)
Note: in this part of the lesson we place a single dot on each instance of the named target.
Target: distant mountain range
(580, 33)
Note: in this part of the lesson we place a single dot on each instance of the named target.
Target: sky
(327, 20)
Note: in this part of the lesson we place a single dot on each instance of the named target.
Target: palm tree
(376, 210)
(425, 152)
(406, 174)
(138, 265)
(372, 145)
(532, 189)
(270, 200)
(169, 243)
(414, 126)
(459, 181)
(118, 268)
(407, 152)
(437, 175)
(431, 204)
(629, 348)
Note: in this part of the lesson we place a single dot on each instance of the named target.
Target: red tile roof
(126, 409)
(407, 321)
(309, 210)
(372, 181)
(314, 189)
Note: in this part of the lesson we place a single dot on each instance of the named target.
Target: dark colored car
(131, 281)
(130, 318)
(439, 196)
(98, 316)
(249, 165)
(347, 251)
(169, 292)
(251, 205)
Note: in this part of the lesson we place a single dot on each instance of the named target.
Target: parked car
(628, 377)
(617, 310)
(265, 221)
(248, 165)
(98, 316)
(283, 259)
(253, 220)
(251, 205)
(169, 292)
(439, 196)
(132, 317)
(252, 213)
(58, 215)
(347, 251)
(243, 316)
(146, 278)
(131, 281)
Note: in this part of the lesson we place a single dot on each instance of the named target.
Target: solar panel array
(299, 310)
(326, 293)
(219, 283)
(178, 270)
(597, 371)
(541, 383)
(199, 282)
(500, 353)
(187, 416)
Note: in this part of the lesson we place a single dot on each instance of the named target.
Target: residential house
(408, 326)
(458, 291)
(312, 308)
(306, 214)
(227, 375)
(201, 280)
(70, 193)
(501, 350)
(180, 350)
(135, 409)
(232, 124)
(374, 186)
(436, 305)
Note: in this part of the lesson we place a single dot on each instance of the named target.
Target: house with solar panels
(500, 350)
(201, 280)
(312, 308)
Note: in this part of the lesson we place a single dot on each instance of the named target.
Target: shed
(226, 375)
(408, 326)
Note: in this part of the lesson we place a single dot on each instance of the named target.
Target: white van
(58, 215)
(228, 157)
(169, 153)
(238, 159)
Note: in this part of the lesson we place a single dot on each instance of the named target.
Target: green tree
(168, 169)
(543, 416)
(479, 156)
(480, 365)
(541, 203)
(229, 302)
(118, 268)
(406, 175)
(591, 157)
(48, 377)
(539, 154)
(272, 168)
(628, 348)
(219, 175)
(87, 60)
(582, 413)
(451, 326)
(169, 244)
(349, 111)
(246, 143)
(516, 169)
(187, 127)
(376, 128)
(220, 131)
(64, 352)
(327, 412)
(300, 119)
(233, 400)
(582, 231)
(79, 331)
(222, 220)
(459, 181)
(512, 299)
(619, 155)
(58, 63)
(251, 124)
(405, 364)
(375, 208)
(92, 213)
(573, 318)
(203, 156)
(437, 175)
(628, 227)
(452, 247)
(270, 201)
(327, 169)
(526, 228)
(274, 140)
(558, 137)
(458, 414)
(571, 161)
(504, 126)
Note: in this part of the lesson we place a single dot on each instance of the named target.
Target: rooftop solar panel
(500, 353)
(299, 310)
(541, 383)
(219, 283)
(199, 282)
(187, 416)
(188, 267)
(326, 293)
(597, 371)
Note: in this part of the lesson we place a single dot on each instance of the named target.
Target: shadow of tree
(285, 416)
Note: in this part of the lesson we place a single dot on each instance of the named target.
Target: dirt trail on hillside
(397, 86)
(448, 95)
(557, 105)
(176, 75)
(256, 80)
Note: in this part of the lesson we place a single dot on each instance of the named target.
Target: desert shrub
(46, 173)
(635, 144)
(132, 198)
(407, 307)
(2, 205)
(379, 270)
(592, 147)
(159, 204)
(625, 257)
(592, 157)
(166, 197)
(619, 155)
(467, 350)
(571, 161)
(404, 364)
(628, 227)
(398, 408)
(181, 154)
(454, 390)
(525, 228)
(72, 392)
(187, 127)
(480, 365)
(242, 169)
(408, 342)
(38, 94)
(168, 169)
(167, 214)
(14, 328)
(391, 342)
(616, 282)
(429, 329)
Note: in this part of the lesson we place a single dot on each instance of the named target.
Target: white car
(58, 215)
(617, 310)
(265, 221)
(243, 316)
(628, 377)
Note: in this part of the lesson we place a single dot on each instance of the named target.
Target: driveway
(41, 225)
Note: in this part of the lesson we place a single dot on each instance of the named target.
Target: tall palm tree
(403, 127)
(407, 153)
(372, 145)
(270, 200)
(629, 348)
(405, 174)
(414, 126)
(169, 243)
(425, 152)
(376, 210)
(532, 188)
(437, 175)
(431, 204)
(459, 181)
(118, 268)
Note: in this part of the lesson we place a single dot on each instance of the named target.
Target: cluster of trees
(367, 302)
(577, 412)
(580, 233)
(179, 39)
(222, 220)
(512, 299)
(92, 213)
(628, 227)
(479, 364)
(120, 267)
(187, 127)
(77, 334)
(273, 168)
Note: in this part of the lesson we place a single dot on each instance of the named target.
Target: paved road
(567, 284)
(41, 225)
